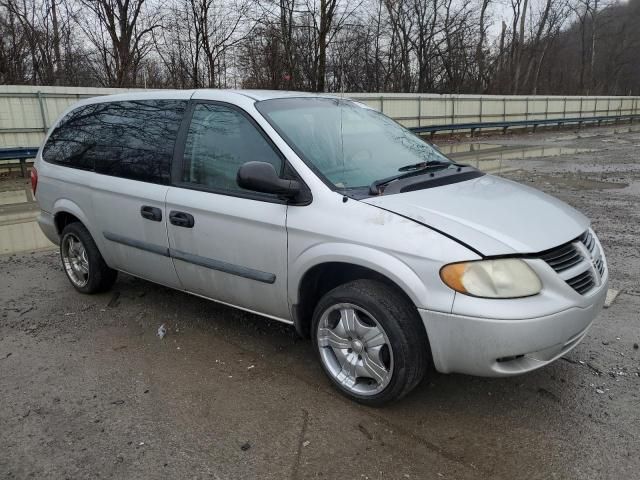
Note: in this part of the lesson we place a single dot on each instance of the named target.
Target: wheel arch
(65, 211)
(320, 269)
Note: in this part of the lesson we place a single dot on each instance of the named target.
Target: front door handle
(151, 213)
(181, 219)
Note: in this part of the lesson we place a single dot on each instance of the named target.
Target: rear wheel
(82, 261)
(370, 341)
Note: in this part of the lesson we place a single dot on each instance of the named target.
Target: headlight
(501, 278)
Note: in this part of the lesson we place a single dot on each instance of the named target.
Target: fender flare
(64, 205)
(67, 206)
(381, 262)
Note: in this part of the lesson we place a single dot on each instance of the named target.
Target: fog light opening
(509, 359)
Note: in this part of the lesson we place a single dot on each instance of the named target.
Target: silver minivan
(321, 213)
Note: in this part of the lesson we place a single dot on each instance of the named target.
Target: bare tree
(120, 32)
(549, 46)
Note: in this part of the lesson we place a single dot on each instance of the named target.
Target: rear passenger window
(137, 139)
(132, 139)
(219, 141)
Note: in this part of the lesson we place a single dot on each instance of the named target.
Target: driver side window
(220, 139)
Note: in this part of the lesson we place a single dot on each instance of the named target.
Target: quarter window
(133, 139)
(219, 141)
(71, 143)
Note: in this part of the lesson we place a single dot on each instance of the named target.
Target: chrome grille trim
(562, 258)
(587, 239)
(582, 283)
(579, 263)
(599, 265)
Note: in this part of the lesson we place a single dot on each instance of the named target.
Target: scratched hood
(490, 214)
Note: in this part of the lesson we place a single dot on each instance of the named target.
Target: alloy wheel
(75, 260)
(355, 349)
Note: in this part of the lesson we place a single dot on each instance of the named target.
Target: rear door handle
(151, 213)
(181, 219)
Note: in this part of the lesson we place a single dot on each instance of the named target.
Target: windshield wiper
(423, 165)
(409, 171)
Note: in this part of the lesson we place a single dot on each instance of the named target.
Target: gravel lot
(87, 390)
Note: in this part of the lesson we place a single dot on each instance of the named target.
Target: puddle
(22, 237)
(518, 153)
(19, 231)
(491, 158)
(464, 148)
(598, 132)
(13, 196)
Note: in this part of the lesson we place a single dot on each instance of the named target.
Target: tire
(384, 331)
(82, 261)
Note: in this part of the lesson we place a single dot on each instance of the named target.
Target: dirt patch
(574, 181)
(89, 390)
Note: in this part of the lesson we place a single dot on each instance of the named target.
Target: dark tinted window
(219, 141)
(126, 139)
(137, 139)
(70, 143)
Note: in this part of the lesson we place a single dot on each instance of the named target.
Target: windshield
(349, 144)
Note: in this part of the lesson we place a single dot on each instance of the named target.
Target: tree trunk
(518, 56)
(56, 43)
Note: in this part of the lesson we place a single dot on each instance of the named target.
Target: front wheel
(370, 341)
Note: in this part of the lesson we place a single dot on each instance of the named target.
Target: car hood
(492, 215)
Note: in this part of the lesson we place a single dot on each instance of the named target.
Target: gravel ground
(87, 390)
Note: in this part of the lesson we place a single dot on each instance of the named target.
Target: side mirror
(262, 177)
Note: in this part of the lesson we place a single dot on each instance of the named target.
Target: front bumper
(499, 347)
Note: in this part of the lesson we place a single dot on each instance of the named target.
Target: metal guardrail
(20, 154)
(504, 125)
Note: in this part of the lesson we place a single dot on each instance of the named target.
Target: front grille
(587, 239)
(573, 262)
(582, 283)
(563, 258)
(599, 265)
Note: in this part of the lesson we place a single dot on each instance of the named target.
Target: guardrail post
(608, 105)
(504, 109)
(546, 109)
(453, 111)
(42, 114)
(580, 107)
(381, 104)
(564, 108)
(580, 123)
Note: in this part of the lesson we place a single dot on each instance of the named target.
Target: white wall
(26, 112)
